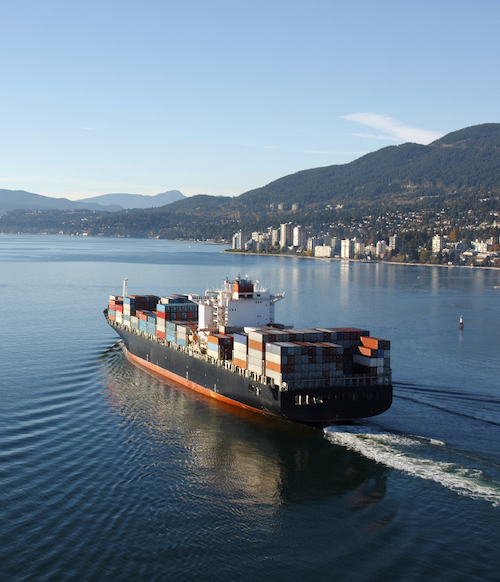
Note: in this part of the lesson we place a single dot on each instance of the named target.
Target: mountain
(136, 200)
(22, 200)
(461, 162)
(457, 178)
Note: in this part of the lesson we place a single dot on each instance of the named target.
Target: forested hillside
(453, 182)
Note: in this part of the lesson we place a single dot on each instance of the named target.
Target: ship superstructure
(238, 304)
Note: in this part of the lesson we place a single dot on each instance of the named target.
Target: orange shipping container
(255, 345)
(273, 366)
(365, 351)
(375, 343)
(240, 363)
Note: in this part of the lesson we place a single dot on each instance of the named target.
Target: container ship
(225, 344)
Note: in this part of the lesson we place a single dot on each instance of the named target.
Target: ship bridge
(239, 303)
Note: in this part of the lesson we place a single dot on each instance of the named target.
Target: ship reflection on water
(225, 451)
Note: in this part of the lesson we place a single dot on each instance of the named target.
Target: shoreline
(365, 261)
(233, 252)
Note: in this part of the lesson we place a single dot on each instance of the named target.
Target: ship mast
(125, 291)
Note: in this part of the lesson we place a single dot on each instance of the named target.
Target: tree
(424, 256)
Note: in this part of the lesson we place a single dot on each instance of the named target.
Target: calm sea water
(107, 473)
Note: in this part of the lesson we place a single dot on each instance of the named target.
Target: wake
(419, 457)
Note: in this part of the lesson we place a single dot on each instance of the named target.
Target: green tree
(424, 256)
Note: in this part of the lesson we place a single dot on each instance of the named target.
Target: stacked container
(296, 361)
(240, 349)
(170, 328)
(293, 356)
(150, 314)
(257, 339)
(115, 305)
(183, 332)
(373, 356)
(146, 321)
(220, 346)
(177, 308)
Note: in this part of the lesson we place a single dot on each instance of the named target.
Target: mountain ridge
(128, 201)
(23, 200)
(457, 173)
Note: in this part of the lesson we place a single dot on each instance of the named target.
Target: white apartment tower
(286, 234)
(299, 236)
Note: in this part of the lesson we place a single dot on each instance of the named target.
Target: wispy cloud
(394, 129)
(373, 136)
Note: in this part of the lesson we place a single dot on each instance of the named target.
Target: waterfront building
(335, 244)
(347, 249)
(381, 248)
(480, 246)
(239, 240)
(394, 243)
(437, 243)
(312, 243)
(286, 234)
(359, 246)
(370, 250)
(323, 251)
(299, 236)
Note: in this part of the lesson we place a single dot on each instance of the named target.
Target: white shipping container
(240, 343)
(256, 369)
(366, 361)
(255, 361)
(255, 354)
(276, 358)
(276, 376)
(258, 336)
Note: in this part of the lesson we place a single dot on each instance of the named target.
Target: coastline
(376, 262)
(235, 252)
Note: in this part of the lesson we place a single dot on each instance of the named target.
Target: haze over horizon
(225, 97)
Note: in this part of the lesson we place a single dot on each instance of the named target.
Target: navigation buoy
(461, 323)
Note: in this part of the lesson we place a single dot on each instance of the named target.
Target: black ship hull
(225, 382)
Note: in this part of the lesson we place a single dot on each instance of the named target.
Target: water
(107, 473)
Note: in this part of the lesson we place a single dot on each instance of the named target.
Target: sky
(219, 97)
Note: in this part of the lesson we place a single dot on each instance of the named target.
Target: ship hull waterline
(336, 405)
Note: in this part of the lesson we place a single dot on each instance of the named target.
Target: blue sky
(221, 97)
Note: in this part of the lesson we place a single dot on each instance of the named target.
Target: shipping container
(375, 343)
